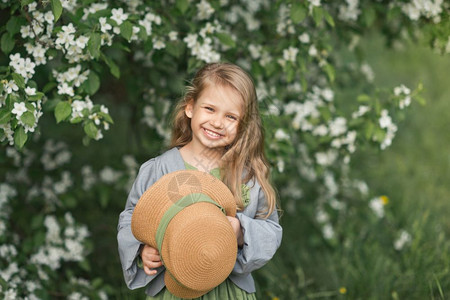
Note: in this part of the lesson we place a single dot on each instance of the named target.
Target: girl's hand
(150, 259)
(237, 230)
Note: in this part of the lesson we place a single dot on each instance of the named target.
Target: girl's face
(215, 117)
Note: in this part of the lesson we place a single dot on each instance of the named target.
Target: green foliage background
(358, 261)
(414, 174)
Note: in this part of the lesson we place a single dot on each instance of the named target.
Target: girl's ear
(189, 109)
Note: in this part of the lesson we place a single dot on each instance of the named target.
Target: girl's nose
(216, 122)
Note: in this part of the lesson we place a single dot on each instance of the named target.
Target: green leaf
(57, 9)
(1, 88)
(113, 68)
(369, 130)
(36, 97)
(379, 134)
(94, 44)
(7, 43)
(19, 80)
(394, 13)
(126, 30)
(50, 105)
(182, 5)
(14, 24)
(104, 197)
(28, 118)
(148, 46)
(92, 84)
(329, 69)
(317, 14)
(20, 137)
(49, 86)
(142, 34)
(62, 111)
(290, 72)
(298, 12)
(76, 120)
(329, 18)
(37, 221)
(193, 64)
(369, 15)
(26, 2)
(363, 98)
(106, 116)
(90, 129)
(84, 264)
(5, 116)
(226, 39)
(175, 49)
(420, 99)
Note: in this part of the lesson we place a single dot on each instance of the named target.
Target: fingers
(150, 259)
(149, 272)
(152, 264)
(236, 225)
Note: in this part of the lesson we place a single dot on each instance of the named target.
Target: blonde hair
(245, 156)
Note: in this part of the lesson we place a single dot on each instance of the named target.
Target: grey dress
(262, 237)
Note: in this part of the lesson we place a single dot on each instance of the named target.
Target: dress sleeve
(129, 247)
(262, 237)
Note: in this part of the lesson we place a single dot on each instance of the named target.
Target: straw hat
(184, 216)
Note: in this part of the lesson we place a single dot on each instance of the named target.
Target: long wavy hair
(244, 159)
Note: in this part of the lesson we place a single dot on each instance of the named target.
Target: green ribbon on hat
(175, 209)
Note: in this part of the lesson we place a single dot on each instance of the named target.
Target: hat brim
(199, 250)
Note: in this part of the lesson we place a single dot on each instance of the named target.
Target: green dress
(227, 289)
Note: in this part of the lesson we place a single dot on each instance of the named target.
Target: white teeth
(212, 133)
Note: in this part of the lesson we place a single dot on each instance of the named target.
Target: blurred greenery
(357, 261)
(413, 173)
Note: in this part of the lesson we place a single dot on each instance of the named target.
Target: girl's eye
(209, 108)
(232, 117)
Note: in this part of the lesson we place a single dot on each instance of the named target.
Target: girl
(217, 129)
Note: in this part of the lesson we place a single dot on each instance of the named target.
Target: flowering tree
(60, 59)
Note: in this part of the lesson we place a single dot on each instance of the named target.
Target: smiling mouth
(212, 133)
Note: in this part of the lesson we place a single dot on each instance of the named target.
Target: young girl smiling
(217, 129)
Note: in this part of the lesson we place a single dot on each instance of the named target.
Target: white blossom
(19, 109)
(108, 175)
(104, 26)
(10, 86)
(158, 44)
(290, 54)
(328, 231)
(320, 130)
(173, 35)
(367, 70)
(205, 10)
(338, 126)
(349, 12)
(327, 94)
(281, 135)
(312, 51)
(322, 216)
(30, 91)
(402, 240)
(118, 15)
(64, 88)
(326, 158)
(385, 120)
(362, 110)
(314, 2)
(377, 206)
(304, 38)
